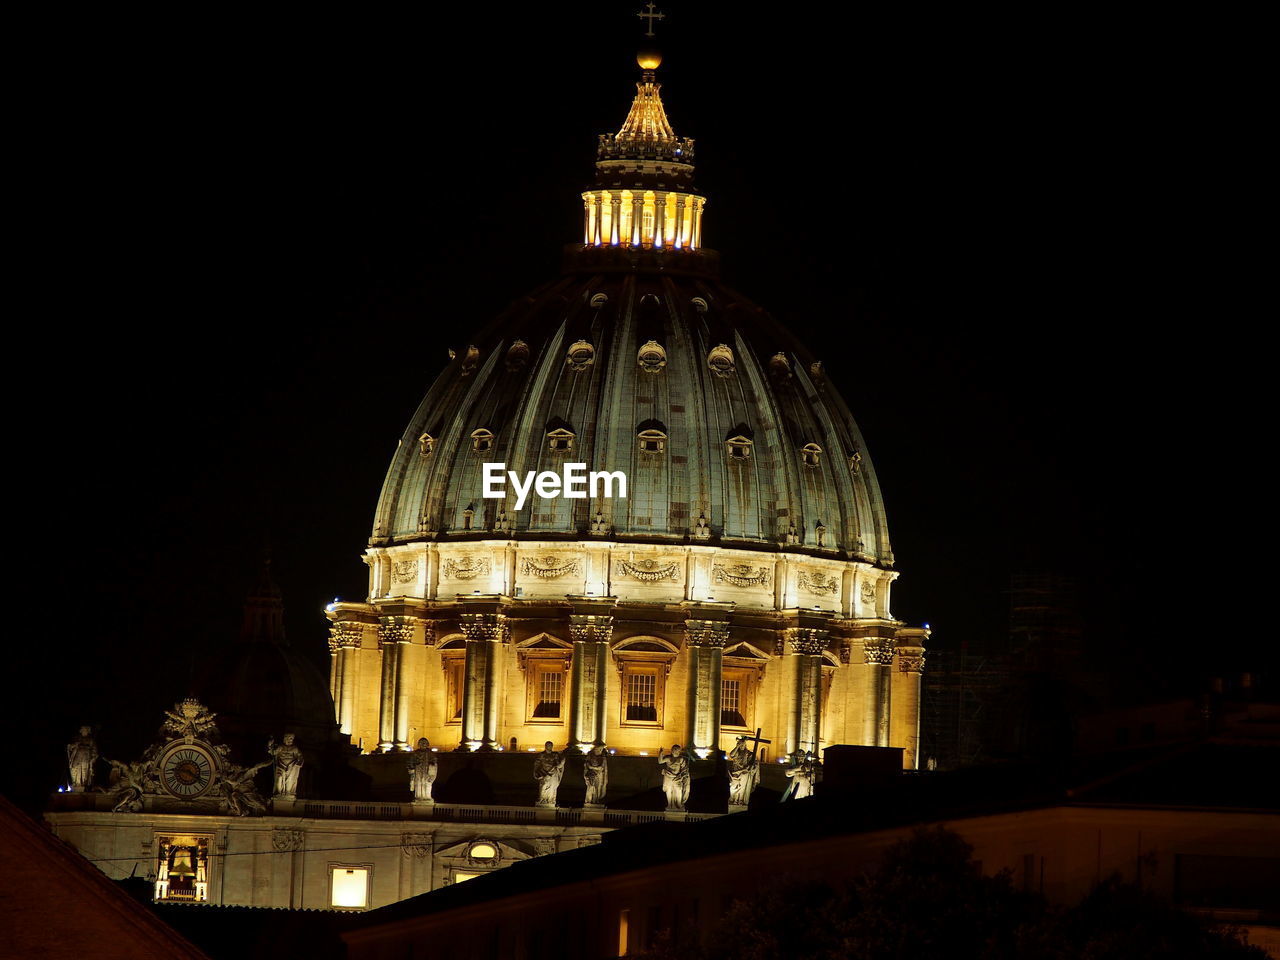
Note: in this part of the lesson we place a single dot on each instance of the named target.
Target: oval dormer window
(812, 454)
(720, 360)
(580, 355)
(426, 444)
(739, 447)
(652, 357)
(481, 440)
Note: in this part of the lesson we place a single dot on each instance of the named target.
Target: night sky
(249, 249)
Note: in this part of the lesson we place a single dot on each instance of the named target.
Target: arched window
(481, 440)
(812, 454)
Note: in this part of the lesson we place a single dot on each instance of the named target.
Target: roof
(1231, 780)
(55, 903)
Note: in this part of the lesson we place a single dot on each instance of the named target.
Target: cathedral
(630, 563)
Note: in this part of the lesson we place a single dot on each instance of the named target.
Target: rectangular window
(731, 703)
(349, 886)
(642, 697)
(624, 933)
(182, 870)
(545, 684)
(737, 697)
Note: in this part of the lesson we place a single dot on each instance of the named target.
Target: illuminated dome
(638, 359)
(742, 582)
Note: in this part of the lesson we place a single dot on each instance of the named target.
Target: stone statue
(288, 764)
(129, 781)
(595, 773)
(422, 766)
(744, 773)
(675, 776)
(240, 792)
(548, 770)
(82, 754)
(805, 772)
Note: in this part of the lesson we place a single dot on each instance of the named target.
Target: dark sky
(249, 247)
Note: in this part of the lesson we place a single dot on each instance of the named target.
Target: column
(588, 683)
(682, 239)
(879, 656)
(802, 685)
(704, 641)
(485, 633)
(615, 224)
(637, 219)
(394, 634)
(905, 718)
(344, 639)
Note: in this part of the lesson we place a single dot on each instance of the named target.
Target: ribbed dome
(615, 348)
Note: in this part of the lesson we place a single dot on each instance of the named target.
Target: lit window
(737, 693)
(182, 870)
(812, 454)
(546, 689)
(460, 875)
(348, 887)
(481, 440)
(642, 697)
(484, 850)
(454, 668)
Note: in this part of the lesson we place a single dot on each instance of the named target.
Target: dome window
(699, 304)
(720, 360)
(426, 444)
(599, 300)
(739, 447)
(481, 440)
(580, 355)
(652, 441)
(470, 360)
(517, 355)
(812, 454)
(780, 366)
(652, 357)
(855, 462)
(560, 440)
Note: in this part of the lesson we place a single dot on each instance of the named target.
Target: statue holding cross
(744, 769)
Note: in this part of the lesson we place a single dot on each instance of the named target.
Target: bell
(181, 864)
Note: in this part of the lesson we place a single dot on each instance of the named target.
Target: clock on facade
(186, 770)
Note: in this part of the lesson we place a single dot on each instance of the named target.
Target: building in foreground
(1196, 825)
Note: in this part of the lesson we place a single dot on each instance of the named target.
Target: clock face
(187, 771)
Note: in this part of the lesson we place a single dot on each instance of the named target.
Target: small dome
(261, 687)
(649, 59)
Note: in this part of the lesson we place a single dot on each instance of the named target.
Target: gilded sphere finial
(648, 59)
